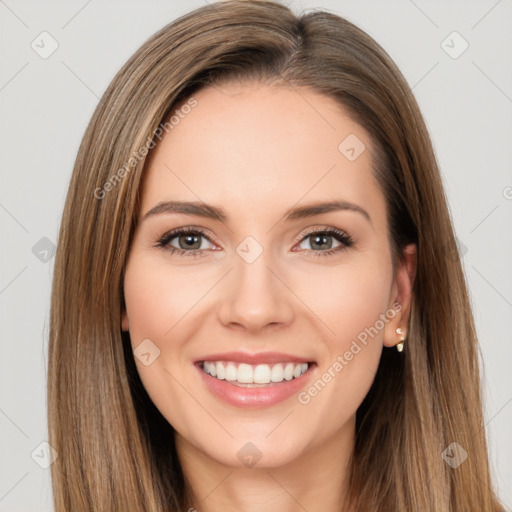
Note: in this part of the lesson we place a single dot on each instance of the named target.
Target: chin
(251, 450)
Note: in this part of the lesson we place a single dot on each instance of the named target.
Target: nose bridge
(255, 296)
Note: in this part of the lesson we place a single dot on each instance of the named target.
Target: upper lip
(258, 358)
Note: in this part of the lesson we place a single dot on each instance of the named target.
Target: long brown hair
(115, 450)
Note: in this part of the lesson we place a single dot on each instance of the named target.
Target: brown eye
(190, 241)
(186, 241)
(326, 242)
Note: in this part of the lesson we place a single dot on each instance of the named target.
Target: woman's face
(289, 302)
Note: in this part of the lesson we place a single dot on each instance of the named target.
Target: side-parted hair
(115, 450)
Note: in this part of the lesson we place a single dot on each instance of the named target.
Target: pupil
(190, 240)
(323, 240)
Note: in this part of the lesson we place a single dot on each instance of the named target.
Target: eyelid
(210, 236)
(189, 229)
(309, 231)
(164, 240)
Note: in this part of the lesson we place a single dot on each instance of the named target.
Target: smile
(261, 380)
(256, 375)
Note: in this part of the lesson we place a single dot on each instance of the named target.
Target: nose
(256, 297)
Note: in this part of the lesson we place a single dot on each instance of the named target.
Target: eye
(323, 242)
(188, 241)
(185, 241)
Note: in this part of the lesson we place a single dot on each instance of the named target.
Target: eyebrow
(208, 211)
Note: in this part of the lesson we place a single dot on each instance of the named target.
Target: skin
(257, 150)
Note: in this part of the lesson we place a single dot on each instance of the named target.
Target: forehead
(258, 145)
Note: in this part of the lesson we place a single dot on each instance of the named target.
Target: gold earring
(400, 344)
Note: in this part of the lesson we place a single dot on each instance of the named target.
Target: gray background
(45, 106)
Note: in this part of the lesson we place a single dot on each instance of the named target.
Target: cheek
(351, 301)
(157, 298)
(162, 304)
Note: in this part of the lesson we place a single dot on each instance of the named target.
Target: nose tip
(254, 298)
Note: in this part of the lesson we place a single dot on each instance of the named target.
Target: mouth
(243, 380)
(249, 375)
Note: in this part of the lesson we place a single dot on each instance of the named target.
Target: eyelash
(342, 237)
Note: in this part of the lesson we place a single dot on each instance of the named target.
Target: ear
(124, 322)
(401, 296)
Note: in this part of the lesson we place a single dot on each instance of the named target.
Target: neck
(314, 481)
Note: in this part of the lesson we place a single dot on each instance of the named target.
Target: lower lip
(264, 396)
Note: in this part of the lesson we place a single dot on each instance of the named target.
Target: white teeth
(221, 371)
(254, 374)
(262, 374)
(288, 371)
(277, 373)
(245, 373)
(231, 372)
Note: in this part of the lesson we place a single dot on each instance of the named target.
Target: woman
(253, 374)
